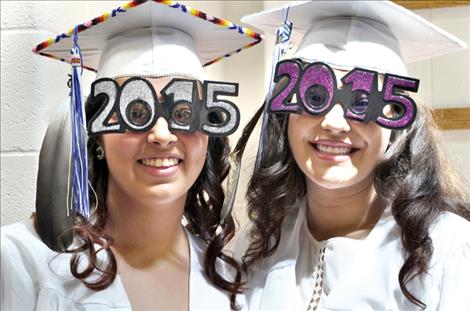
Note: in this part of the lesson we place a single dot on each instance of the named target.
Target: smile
(337, 150)
(160, 162)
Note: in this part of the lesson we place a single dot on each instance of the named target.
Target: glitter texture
(317, 74)
(182, 90)
(134, 89)
(360, 79)
(292, 70)
(231, 111)
(409, 105)
(108, 87)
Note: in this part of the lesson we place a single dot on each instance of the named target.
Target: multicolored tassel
(80, 201)
(135, 3)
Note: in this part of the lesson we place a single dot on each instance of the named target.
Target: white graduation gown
(362, 274)
(35, 278)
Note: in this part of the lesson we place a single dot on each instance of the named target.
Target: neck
(145, 231)
(350, 212)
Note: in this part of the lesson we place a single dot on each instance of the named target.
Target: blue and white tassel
(80, 200)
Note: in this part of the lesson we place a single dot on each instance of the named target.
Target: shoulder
(23, 251)
(198, 250)
(288, 248)
(201, 287)
(23, 256)
(35, 277)
(450, 235)
(449, 266)
(197, 247)
(21, 238)
(452, 228)
(22, 228)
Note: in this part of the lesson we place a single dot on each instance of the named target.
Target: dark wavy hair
(202, 212)
(414, 180)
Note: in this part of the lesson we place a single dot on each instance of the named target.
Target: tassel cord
(282, 38)
(80, 195)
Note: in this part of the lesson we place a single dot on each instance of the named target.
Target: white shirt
(362, 274)
(36, 278)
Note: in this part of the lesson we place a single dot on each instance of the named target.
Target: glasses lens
(359, 102)
(316, 96)
(182, 114)
(138, 112)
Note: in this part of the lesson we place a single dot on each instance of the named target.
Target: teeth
(166, 162)
(333, 150)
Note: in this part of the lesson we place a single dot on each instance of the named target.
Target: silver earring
(99, 153)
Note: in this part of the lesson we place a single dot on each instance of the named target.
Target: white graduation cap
(151, 38)
(376, 35)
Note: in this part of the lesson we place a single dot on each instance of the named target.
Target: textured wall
(31, 88)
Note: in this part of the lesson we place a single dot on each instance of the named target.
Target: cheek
(379, 141)
(293, 133)
(196, 146)
(120, 146)
(296, 127)
(301, 128)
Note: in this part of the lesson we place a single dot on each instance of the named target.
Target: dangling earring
(99, 153)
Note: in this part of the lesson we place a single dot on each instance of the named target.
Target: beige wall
(445, 81)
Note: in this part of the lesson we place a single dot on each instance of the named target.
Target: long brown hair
(202, 212)
(414, 180)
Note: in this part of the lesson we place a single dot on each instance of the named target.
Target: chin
(335, 180)
(331, 184)
(164, 194)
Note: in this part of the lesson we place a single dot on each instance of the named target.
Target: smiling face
(154, 167)
(334, 152)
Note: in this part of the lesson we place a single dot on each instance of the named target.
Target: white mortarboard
(151, 38)
(376, 35)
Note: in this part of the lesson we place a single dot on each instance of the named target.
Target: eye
(359, 102)
(138, 112)
(217, 118)
(316, 96)
(393, 111)
(182, 114)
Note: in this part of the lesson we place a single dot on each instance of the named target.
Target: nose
(334, 120)
(161, 134)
